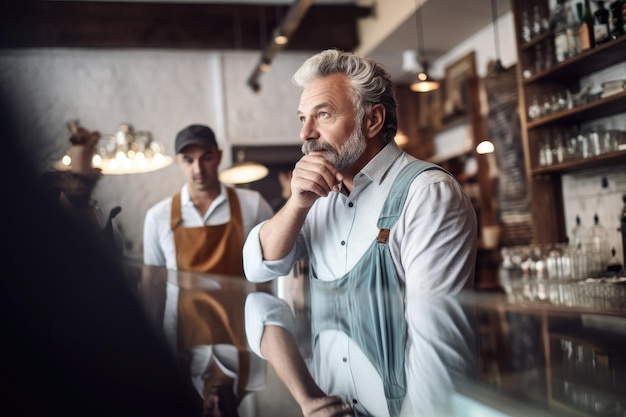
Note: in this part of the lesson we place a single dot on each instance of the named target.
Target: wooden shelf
(612, 158)
(536, 40)
(584, 63)
(545, 189)
(603, 107)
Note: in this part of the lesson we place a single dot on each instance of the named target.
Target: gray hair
(370, 81)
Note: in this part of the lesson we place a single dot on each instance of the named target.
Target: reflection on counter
(477, 354)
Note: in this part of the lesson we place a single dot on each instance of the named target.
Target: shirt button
(345, 359)
(343, 243)
(350, 205)
(354, 401)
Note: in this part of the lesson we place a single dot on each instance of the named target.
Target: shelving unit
(545, 181)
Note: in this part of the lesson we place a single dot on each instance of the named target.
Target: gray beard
(349, 153)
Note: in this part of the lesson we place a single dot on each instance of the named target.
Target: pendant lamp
(243, 172)
(486, 146)
(424, 83)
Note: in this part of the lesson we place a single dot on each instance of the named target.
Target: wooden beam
(29, 23)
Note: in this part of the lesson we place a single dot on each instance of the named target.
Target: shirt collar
(185, 198)
(377, 168)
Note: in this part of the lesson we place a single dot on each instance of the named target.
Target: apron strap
(177, 218)
(397, 195)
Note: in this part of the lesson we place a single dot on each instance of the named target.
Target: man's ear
(374, 121)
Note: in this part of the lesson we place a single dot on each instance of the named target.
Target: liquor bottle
(586, 30)
(618, 8)
(572, 32)
(558, 23)
(599, 251)
(601, 30)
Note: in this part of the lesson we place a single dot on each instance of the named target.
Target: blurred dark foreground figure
(75, 336)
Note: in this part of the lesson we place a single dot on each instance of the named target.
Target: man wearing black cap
(202, 228)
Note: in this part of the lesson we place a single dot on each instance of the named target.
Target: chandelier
(127, 151)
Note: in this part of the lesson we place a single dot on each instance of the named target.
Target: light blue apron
(367, 303)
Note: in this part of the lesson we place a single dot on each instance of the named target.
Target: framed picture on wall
(456, 82)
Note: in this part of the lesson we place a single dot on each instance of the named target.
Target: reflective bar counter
(478, 354)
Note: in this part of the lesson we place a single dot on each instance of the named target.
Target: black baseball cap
(200, 135)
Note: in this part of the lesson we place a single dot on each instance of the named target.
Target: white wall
(160, 91)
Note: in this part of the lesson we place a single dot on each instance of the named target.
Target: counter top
(476, 353)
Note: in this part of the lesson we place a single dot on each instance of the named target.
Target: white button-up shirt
(158, 237)
(433, 244)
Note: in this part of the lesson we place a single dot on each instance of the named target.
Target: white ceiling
(447, 23)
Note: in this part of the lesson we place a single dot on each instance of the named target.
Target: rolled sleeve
(256, 269)
(261, 310)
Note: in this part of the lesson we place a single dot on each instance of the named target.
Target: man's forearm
(279, 347)
(278, 235)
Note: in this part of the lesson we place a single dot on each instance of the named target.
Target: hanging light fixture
(498, 68)
(125, 152)
(243, 172)
(424, 83)
(486, 146)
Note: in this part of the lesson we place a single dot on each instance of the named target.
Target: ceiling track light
(281, 37)
(424, 83)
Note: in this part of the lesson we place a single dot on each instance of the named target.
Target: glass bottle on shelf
(534, 110)
(558, 23)
(559, 147)
(617, 9)
(572, 150)
(573, 46)
(565, 31)
(598, 247)
(536, 26)
(580, 248)
(601, 30)
(583, 144)
(546, 156)
(586, 30)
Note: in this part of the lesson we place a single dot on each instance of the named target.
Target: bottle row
(593, 294)
(587, 255)
(575, 32)
(559, 101)
(559, 146)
